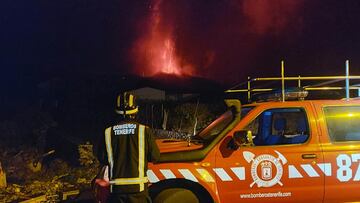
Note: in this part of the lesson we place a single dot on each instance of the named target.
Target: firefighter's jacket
(126, 148)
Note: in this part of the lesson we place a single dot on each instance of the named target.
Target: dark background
(42, 39)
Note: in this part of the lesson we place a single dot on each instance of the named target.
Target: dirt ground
(31, 178)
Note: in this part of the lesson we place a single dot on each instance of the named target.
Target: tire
(177, 195)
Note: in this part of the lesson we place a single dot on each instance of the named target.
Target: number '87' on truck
(291, 151)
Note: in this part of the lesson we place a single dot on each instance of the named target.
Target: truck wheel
(177, 195)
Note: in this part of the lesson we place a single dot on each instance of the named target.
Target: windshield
(216, 126)
(246, 110)
(220, 124)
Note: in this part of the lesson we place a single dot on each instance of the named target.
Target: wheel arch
(204, 194)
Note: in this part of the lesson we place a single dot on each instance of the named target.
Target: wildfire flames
(155, 52)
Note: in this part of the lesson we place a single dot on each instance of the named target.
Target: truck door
(341, 147)
(283, 165)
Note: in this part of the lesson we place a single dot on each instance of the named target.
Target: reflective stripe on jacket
(128, 146)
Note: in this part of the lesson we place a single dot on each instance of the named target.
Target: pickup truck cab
(291, 151)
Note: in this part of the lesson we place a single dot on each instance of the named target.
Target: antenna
(249, 89)
(282, 81)
(347, 80)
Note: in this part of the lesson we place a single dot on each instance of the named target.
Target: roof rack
(322, 84)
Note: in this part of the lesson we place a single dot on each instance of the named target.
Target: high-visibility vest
(141, 179)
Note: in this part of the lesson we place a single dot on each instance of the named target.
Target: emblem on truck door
(266, 170)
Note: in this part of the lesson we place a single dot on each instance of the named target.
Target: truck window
(280, 126)
(343, 123)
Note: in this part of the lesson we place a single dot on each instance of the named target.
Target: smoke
(270, 17)
(220, 40)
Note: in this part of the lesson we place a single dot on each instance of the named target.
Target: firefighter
(127, 147)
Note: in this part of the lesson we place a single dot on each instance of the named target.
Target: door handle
(205, 164)
(309, 156)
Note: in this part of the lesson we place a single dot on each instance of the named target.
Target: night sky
(224, 41)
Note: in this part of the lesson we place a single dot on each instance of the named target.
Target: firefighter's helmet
(126, 104)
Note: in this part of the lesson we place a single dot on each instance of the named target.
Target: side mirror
(241, 138)
(234, 103)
